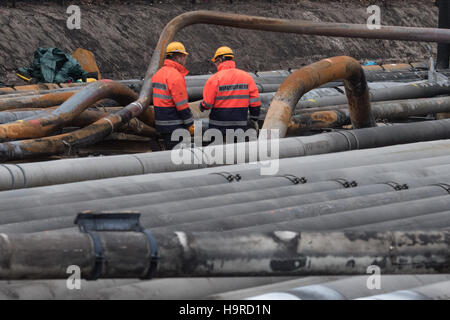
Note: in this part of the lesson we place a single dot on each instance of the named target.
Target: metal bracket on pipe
(433, 75)
(397, 186)
(294, 179)
(229, 176)
(444, 186)
(93, 222)
(346, 184)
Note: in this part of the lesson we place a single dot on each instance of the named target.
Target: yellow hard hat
(176, 47)
(223, 51)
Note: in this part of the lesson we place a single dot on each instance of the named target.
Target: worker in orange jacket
(170, 99)
(230, 94)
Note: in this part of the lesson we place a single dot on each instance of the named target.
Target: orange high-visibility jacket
(230, 94)
(170, 99)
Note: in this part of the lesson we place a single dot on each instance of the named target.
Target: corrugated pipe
(132, 254)
(307, 78)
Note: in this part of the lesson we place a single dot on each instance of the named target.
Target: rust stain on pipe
(316, 120)
(312, 76)
(40, 126)
(283, 25)
(36, 101)
(102, 127)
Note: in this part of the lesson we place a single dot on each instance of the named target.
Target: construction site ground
(123, 34)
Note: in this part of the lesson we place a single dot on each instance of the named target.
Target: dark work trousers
(168, 143)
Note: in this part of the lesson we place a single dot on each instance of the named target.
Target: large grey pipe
(310, 168)
(164, 201)
(347, 288)
(410, 91)
(435, 291)
(24, 175)
(47, 255)
(325, 213)
(131, 289)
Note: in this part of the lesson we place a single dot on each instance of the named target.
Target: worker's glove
(253, 124)
(191, 130)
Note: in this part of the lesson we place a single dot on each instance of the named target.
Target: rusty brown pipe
(29, 87)
(312, 76)
(134, 126)
(337, 116)
(93, 114)
(102, 127)
(65, 143)
(60, 144)
(318, 119)
(283, 25)
(40, 126)
(35, 101)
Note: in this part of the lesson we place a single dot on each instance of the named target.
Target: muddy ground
(122, 34)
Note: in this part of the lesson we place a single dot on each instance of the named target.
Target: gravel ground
(122, 34)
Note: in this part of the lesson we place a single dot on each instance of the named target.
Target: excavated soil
(122, 34)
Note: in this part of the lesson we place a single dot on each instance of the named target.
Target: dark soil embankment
(123, 34)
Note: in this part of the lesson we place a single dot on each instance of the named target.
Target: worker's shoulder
(233, 72)
(169, 73)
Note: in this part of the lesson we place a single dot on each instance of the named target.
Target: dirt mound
(122, 34)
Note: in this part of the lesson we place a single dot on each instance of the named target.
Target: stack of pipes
(342, 206)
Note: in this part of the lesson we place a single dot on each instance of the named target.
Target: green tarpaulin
(52, 65)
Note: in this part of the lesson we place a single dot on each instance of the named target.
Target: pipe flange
(349, 142)
(294, 179)
(345, 183)
(397, 186)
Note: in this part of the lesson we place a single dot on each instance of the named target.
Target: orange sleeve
(178, 91)
(209, 93)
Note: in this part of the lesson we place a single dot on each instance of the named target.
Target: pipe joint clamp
(294, 179)
(397, 186)
(346, 184)
(93, 223)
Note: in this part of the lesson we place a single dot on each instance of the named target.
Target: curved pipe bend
(102, 127)
(312, 76)
(41, 125)
(282, 25)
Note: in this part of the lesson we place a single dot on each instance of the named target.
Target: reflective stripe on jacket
(170, 99)
(231, 93)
